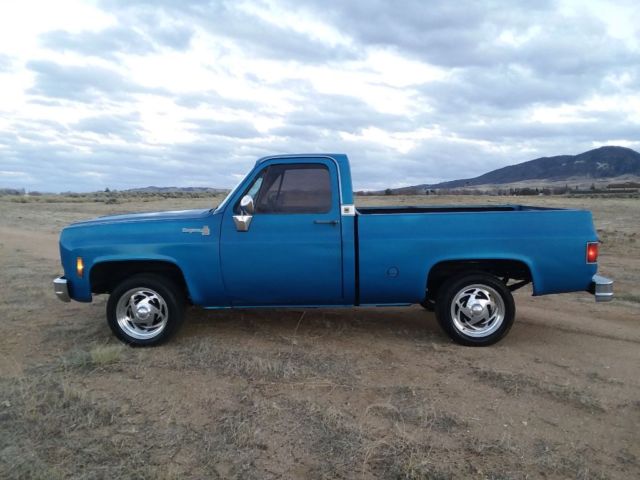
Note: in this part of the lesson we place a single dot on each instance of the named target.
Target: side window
(303, 188)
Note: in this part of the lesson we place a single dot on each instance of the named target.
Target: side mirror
(246, 205)
(243, 220)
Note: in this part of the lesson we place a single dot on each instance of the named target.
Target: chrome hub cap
(142, 313)
(477, 310)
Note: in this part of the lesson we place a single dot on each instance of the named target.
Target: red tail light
(592, 252)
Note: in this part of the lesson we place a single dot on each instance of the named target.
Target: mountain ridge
(599, 164)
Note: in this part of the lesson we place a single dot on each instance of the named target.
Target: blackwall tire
(475, 309)
(145, 310)
(428, 304)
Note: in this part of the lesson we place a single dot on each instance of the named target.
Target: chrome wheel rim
(477, 310)
(142, 313)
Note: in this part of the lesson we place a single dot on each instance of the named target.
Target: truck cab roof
(342, 164)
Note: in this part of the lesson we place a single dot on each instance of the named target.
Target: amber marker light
(79, 266)
(592, 252)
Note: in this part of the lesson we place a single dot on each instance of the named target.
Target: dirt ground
(355, 393)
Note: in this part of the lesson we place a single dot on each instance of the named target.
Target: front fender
(197, 256)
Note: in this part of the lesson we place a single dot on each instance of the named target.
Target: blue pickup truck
(289, 235)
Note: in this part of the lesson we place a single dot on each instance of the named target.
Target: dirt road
(355, 393)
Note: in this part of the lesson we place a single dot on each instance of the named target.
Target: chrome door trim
(311, 156)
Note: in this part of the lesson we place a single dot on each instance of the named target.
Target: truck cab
(295, 234)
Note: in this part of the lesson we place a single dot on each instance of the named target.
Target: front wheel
(145, 309)
(475, 309)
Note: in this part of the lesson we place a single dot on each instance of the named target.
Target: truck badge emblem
(203, 231)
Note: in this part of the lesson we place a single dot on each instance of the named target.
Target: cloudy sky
(130, 93)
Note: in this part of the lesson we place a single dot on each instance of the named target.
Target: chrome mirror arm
(242, 222)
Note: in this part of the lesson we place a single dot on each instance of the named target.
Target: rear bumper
(602, 288)
(61, 289)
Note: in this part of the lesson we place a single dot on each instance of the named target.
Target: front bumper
(602, 288)
(61, 288)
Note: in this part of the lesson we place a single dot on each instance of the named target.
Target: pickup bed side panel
(397, 251)
(195, 254)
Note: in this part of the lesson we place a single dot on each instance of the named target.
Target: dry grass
(99, 356)
(269, 365)
(55, 428)
(521, 385)
(46, 416)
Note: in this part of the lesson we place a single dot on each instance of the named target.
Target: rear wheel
(475, 309)
(145, 309)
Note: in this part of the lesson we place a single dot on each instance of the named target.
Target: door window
(302, 188)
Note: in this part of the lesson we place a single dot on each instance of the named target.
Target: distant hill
(599, 164)
(132, 192)
(153, 189)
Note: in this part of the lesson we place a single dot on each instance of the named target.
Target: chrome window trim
(321, 165)
(310, 156)
(227, 200)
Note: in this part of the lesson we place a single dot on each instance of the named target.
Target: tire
(159, 312)
(475, 309)
(428, 304)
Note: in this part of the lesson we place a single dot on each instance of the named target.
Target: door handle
(325, 222)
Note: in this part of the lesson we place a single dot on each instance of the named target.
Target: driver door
(291, 251)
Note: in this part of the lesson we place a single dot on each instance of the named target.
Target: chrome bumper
(602, 288)
(61, 289)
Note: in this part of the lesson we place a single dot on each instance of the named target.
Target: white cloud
(414, 93)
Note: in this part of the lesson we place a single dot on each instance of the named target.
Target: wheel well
(503, 269)
(106, 275)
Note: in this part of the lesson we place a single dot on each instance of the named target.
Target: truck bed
(398, 246)
(447, 209)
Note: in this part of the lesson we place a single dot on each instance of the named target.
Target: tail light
(592, 252)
